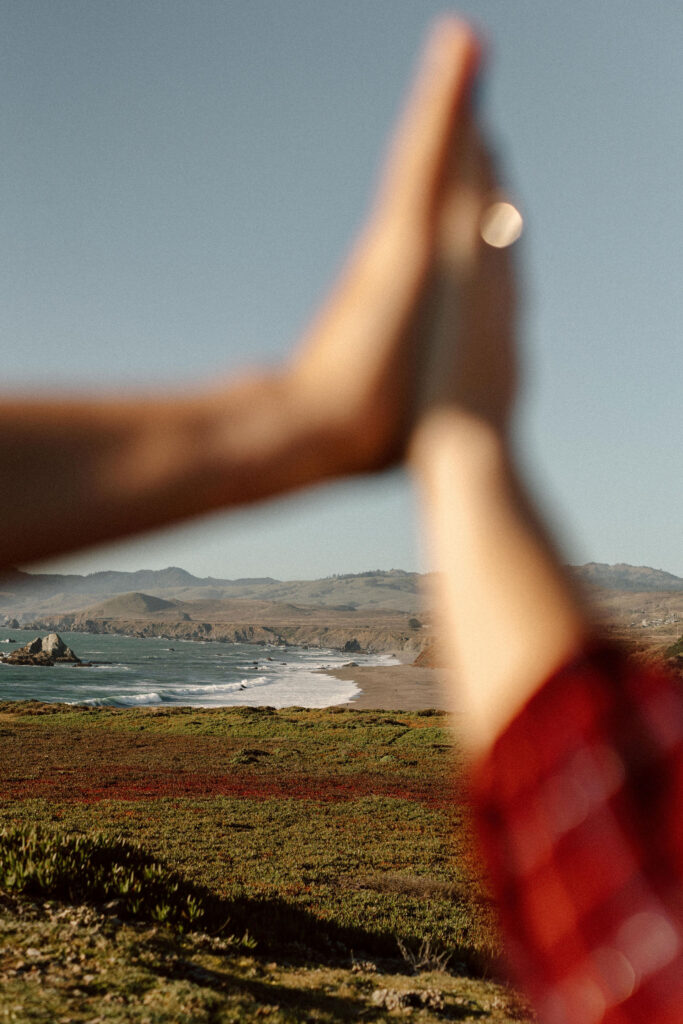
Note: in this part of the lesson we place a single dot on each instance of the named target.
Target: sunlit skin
(413, 355)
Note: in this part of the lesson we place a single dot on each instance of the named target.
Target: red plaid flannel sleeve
(580, 808)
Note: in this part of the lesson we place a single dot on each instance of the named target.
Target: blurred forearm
(81, 471)
(508, 614)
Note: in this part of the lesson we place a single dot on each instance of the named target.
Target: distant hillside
(133, 604)
(394, 590)
(97, 584)
(635, 578)
(27, 596)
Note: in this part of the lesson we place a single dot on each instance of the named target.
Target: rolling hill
(638, 603)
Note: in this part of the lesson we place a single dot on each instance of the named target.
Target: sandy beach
(395, 688)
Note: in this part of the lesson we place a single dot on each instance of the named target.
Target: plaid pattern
(580, 808)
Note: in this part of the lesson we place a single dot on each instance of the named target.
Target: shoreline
(240, 675)
(401, 686)
(395, 688)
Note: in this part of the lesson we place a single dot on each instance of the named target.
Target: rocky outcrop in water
(47, 650)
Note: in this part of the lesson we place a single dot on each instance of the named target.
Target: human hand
(423, 313)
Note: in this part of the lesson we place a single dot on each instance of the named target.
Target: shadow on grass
(301, 999)
(128, 881)
(278, 927)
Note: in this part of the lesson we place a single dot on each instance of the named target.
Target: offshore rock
(47, 650)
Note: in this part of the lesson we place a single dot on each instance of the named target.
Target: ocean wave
(197, 689)
(106, 666)
(173, 694)
(124, 700)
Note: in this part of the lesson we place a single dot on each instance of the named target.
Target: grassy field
(329, 849)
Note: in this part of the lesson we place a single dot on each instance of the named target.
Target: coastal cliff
(351, 639)
(246, 621)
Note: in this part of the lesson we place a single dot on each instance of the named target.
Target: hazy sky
(180, 181)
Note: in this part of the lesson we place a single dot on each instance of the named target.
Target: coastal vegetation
(246, 863)
(42, 862)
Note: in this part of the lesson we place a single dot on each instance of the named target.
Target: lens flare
(501, 225)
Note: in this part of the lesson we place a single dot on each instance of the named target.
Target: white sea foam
(309, 690)
(197, 689)
(124, 700)
(107, 666)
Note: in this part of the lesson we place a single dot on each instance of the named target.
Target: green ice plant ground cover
(326, 854)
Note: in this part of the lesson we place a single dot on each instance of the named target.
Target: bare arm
(508, 613)
(77, 471)
(82, 470)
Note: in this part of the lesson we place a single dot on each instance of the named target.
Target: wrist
(472, 444)
(267, 434)
(333, 425)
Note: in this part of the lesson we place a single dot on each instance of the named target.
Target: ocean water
(130, 672)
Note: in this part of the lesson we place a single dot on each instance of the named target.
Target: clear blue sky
(180, 180)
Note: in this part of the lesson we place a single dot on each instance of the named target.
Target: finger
(475, 212)
(432, 120)
(468, 182)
